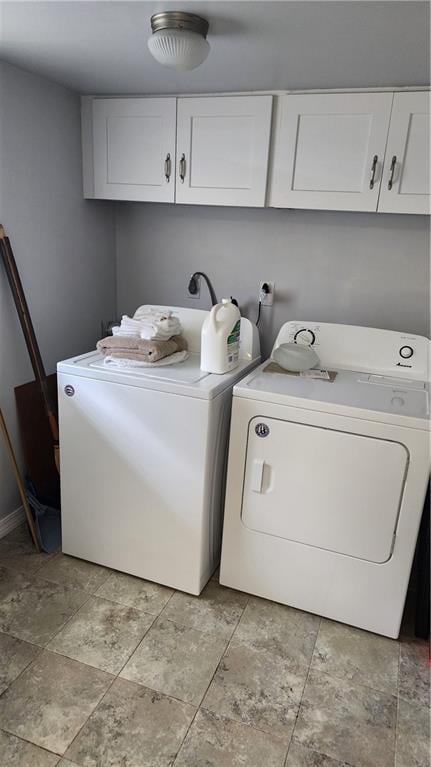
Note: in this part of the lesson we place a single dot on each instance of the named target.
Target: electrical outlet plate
(198, 292)
(267, 299)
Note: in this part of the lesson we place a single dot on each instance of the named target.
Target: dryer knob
(406, 352)
(397, 401)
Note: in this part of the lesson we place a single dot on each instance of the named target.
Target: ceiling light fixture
(179, 39)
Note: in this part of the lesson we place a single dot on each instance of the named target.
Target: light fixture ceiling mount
(179, 39)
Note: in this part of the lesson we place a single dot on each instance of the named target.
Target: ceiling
(100, 47)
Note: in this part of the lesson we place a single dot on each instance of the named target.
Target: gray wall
(369, 269)
(64, 246)
(365, 269)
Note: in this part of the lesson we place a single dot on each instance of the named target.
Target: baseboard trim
(11, 521)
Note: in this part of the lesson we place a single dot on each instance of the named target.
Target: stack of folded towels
(151, 337)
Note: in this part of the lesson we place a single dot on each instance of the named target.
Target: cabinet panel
(134, 145)
(406, 178)
(222, 150)
(329, 150)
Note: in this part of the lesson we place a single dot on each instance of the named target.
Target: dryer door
(331, 489)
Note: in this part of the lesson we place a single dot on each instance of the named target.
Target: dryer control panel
(353, 347)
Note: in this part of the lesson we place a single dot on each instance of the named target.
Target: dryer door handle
(257, 475)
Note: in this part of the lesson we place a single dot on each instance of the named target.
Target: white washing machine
(143, 456)
(327, 478)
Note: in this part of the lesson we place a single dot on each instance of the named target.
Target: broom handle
(19, 482)
(27, 329)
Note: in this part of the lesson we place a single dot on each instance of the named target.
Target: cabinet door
(222, 150)
(134, 149)
(329, 150)
(406, 177)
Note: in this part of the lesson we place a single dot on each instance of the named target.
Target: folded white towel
(152, 313)
(160, 330)
(118, 330)
(151, 326)
(123, 362)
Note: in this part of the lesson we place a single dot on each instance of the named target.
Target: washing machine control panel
(353, 347)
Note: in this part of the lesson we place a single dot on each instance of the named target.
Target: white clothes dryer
(327, 478)
(143, 458)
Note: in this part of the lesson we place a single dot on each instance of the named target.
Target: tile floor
(99, 669)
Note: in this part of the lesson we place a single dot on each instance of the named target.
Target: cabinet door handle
(182, 168)
(168, 167)
(392, 172)
(373, 171)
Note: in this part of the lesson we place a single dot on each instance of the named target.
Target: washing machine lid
(360, 395)
(184, 378)
(186, 372)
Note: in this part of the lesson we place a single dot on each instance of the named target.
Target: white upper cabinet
(222, 150)
(329, 150)
(134, 148)
(361, 151)
(406, 177)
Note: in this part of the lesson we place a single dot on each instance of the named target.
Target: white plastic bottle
(220, 338)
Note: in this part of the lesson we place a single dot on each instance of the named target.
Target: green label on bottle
(233, 338)
(233, 344)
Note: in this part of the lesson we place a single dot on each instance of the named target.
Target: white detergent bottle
(220, 338)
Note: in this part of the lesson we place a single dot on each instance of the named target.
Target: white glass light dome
(178, 49)
(179, 40)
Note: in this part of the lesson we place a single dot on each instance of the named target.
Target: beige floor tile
(103, 634)
(176, 660)
(414, 684)
(217, 610)
(133, 726)
(15, 752)
(51, 700)
(257, 688)
(357, 656)
(135, 592)
(11, 581)
(34, 610)
(15, 656)
(348, 722)
(17, 552)
(301, 756)
(413, 736)
(289, 633)
(75, 572)
(214, 741)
